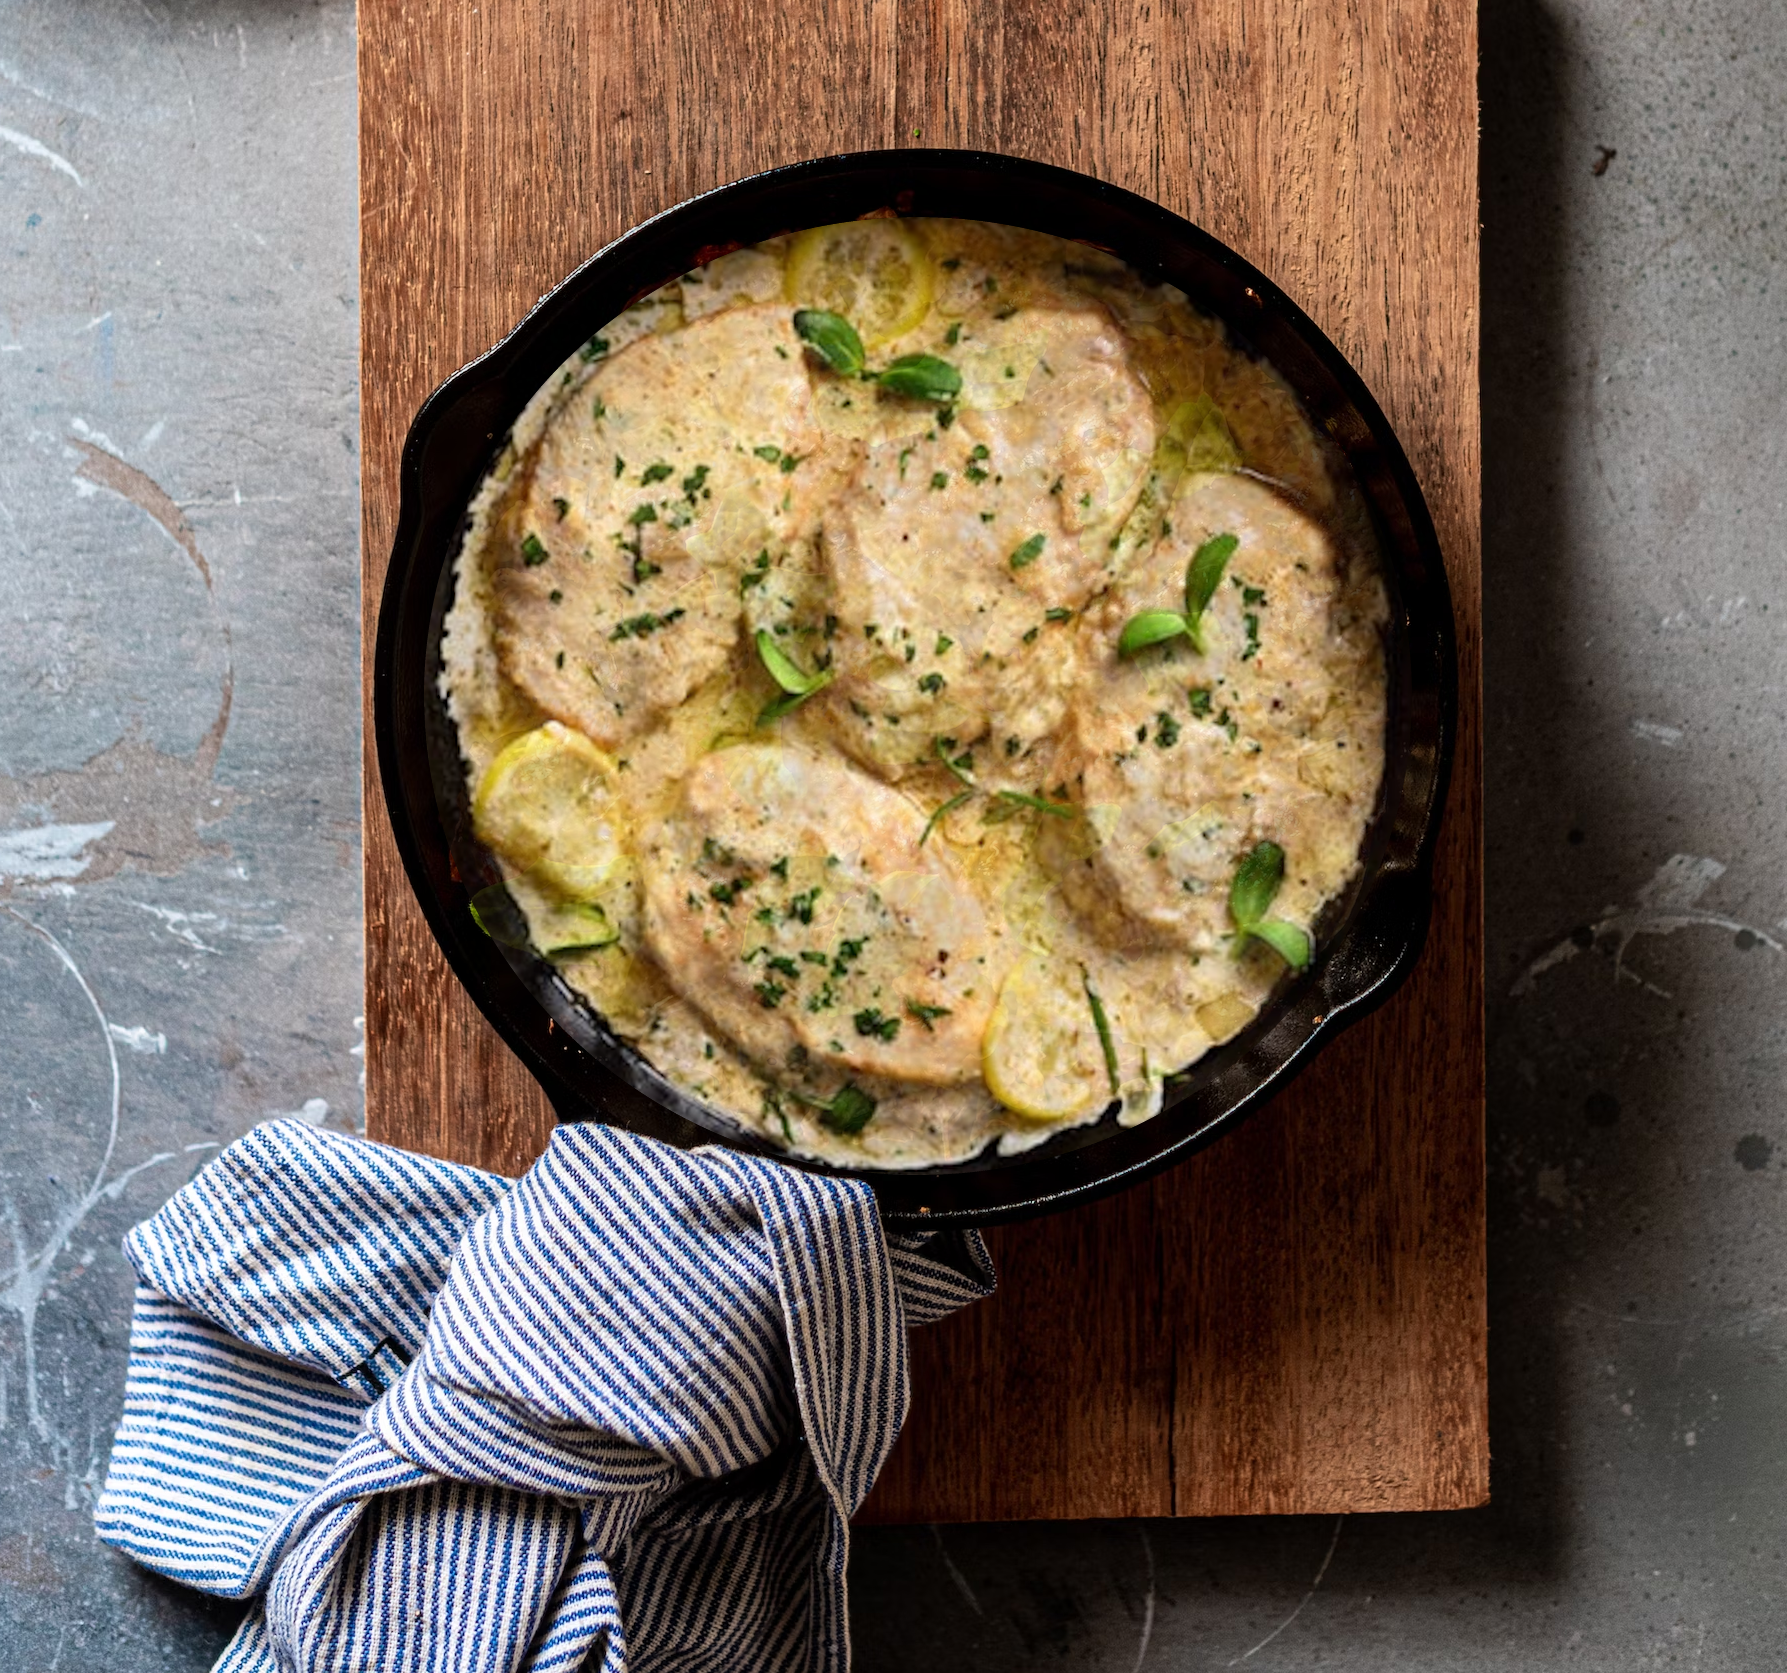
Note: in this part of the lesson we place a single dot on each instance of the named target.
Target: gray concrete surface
(178, 827)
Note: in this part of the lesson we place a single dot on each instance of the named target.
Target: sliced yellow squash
(876, 273)
(570, 926)
(1224, 1016)
(546, 805)
(1040, 1055)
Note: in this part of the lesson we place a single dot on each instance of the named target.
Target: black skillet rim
(1371, 940)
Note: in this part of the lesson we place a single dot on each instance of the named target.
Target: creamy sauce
(975, 887)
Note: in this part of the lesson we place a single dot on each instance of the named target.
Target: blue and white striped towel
(616, 1415)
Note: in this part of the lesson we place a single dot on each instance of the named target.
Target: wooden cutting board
(1293, 1321)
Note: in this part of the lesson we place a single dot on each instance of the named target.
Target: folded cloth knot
(616, 1414)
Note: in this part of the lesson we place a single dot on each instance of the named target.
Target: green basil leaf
(783, 702)
(495, 911)
(1256, 884)
(833, 338)
(943, 813)
(1205, 571)
(1151, 627)
(848, 1112)
(922, 376)
(1288, 941)
(1010, 801)
(1103, 1024)
(783, 669)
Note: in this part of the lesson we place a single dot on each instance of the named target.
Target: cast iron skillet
(1366, 943)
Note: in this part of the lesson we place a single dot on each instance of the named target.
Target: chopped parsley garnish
(620, 465)
(658, 472)
(927, 1014)
(783, 965)
(931, 684)
(695, 481)
(594, 349)
(905, 454)
(756, 574)
(943, 643)
(768, 452)
(849, 951)
(1251, 621)
(1028, 553)
(561, 506)
(1058, 614)
(770, 994)
(1166, 730)
(954, 334)
(533, 550)
(800, 908)
(789, 461)
(640, 627)
(1199, 697)
(1253, 595)
(642, 514)
(727, 893)
(873, 1025)
(961, 765)
(939, 479)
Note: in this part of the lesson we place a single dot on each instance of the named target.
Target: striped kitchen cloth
(615, 1415)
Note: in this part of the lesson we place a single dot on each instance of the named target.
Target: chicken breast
(1183, 761)
(670, 469)
(789, 900)
(957, 556)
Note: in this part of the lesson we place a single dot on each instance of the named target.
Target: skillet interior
(1367, 940)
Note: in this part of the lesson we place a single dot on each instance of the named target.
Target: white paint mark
(955, 1574)
(1689, 1438)
(86, 431)
(12, 348)
(94, 324)
(1141, 1654)
(36, 148)
(22, 1288)
(151, 436)
(46, 851)
(1314, 1586)
(180, 924)
(1652, 731)
(1667, 903)
(12, 73)
(140, 1039)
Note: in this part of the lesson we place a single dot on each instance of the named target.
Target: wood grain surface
(1293, 1321)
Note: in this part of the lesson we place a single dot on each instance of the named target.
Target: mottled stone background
(179, 838)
